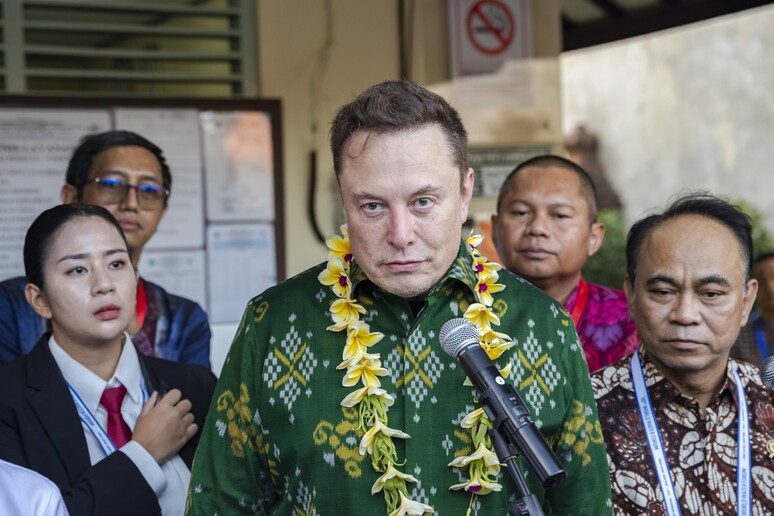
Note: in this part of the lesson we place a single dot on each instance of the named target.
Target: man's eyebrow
(143, 176)
(425, 190)
(716, 279)
(660, 278)
(83, 256)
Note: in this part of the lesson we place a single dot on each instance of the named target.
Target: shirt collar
(460, 270)
(658, 383)
(88, 385)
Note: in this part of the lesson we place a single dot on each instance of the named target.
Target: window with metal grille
(129, 47)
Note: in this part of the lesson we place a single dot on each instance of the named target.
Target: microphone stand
(526, 503)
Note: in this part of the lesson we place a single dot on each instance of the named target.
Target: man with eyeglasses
(127, 175)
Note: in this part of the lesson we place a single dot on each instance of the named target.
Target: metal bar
(155, 55)
(70, 73)
(113, 28)
(248, 45)
(145, 7)
(13, 33)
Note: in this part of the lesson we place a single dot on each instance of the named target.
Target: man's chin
(407, 289)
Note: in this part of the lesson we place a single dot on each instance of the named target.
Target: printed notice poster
(238, 165)
(178, 272)
(241, 263)
(35, 148)
(176, 132)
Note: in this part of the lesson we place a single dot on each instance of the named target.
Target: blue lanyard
(760, 339)
(653, 435)
(91, 422)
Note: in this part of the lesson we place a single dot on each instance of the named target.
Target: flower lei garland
(373, 402)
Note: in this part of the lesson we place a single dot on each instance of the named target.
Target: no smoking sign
(485, 33)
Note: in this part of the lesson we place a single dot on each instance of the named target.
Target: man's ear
(466, 194)
(628, 288)
(37, 300)
(68, 194)
(494, 232)
(596, 237)
(748, 299)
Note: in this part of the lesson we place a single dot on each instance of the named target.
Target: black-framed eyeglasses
(114, 191)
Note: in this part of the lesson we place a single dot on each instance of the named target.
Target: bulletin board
(221, 241)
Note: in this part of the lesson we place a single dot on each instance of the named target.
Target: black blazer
(40, 430)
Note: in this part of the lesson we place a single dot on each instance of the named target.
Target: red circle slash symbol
(490, 26)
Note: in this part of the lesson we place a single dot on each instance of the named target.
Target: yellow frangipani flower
(488, 456)
(486, 287)
(484, 268)
(411, 508)
(390, 474)
(357, 396)
(339, 245)
(478, 484)
(473, 241)
(367, 370)
(472, 419)
(367, 442)
(344, 312)
(482, 317)
(484, 465)
(495, 349)
(359, 339)
(335, 275)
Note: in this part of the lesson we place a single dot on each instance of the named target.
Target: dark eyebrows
(143, 177)
(716, 279)
(660, 278)
(707, 280)
(83, 256)
(425, 190)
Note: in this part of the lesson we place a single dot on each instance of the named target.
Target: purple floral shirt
(606, 330)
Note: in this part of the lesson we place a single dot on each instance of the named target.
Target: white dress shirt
(170, 480)
(23, 491)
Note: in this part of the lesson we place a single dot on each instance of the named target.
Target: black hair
(37, 242)
(394, 106)
(587, 189)
(83, 157)
(703, 204)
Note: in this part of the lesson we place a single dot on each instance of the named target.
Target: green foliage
(762, 239)
(608, 266)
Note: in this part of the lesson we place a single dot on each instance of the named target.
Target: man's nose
(401, 230)
(686, 310)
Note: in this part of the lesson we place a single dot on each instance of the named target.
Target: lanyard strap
(91, 422)
(653, 435)
(760, 339)
(580, 301)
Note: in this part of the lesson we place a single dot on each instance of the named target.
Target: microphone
(500, 401)
(767, 372)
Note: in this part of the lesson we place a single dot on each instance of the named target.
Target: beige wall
(316, 55)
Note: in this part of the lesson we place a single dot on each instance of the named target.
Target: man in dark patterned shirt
(688, 430)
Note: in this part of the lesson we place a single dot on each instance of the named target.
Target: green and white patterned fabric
(278, 442)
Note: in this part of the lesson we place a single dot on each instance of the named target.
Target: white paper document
(241, 262)
(35, 148)
(176, 132)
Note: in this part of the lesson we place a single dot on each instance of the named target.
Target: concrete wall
(689, 108)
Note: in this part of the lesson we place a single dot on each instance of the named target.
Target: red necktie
(117, 429)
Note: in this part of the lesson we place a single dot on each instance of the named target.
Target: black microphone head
(456, 334)
(767, 372)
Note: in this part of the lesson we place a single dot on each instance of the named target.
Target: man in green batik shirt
(278, 440)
